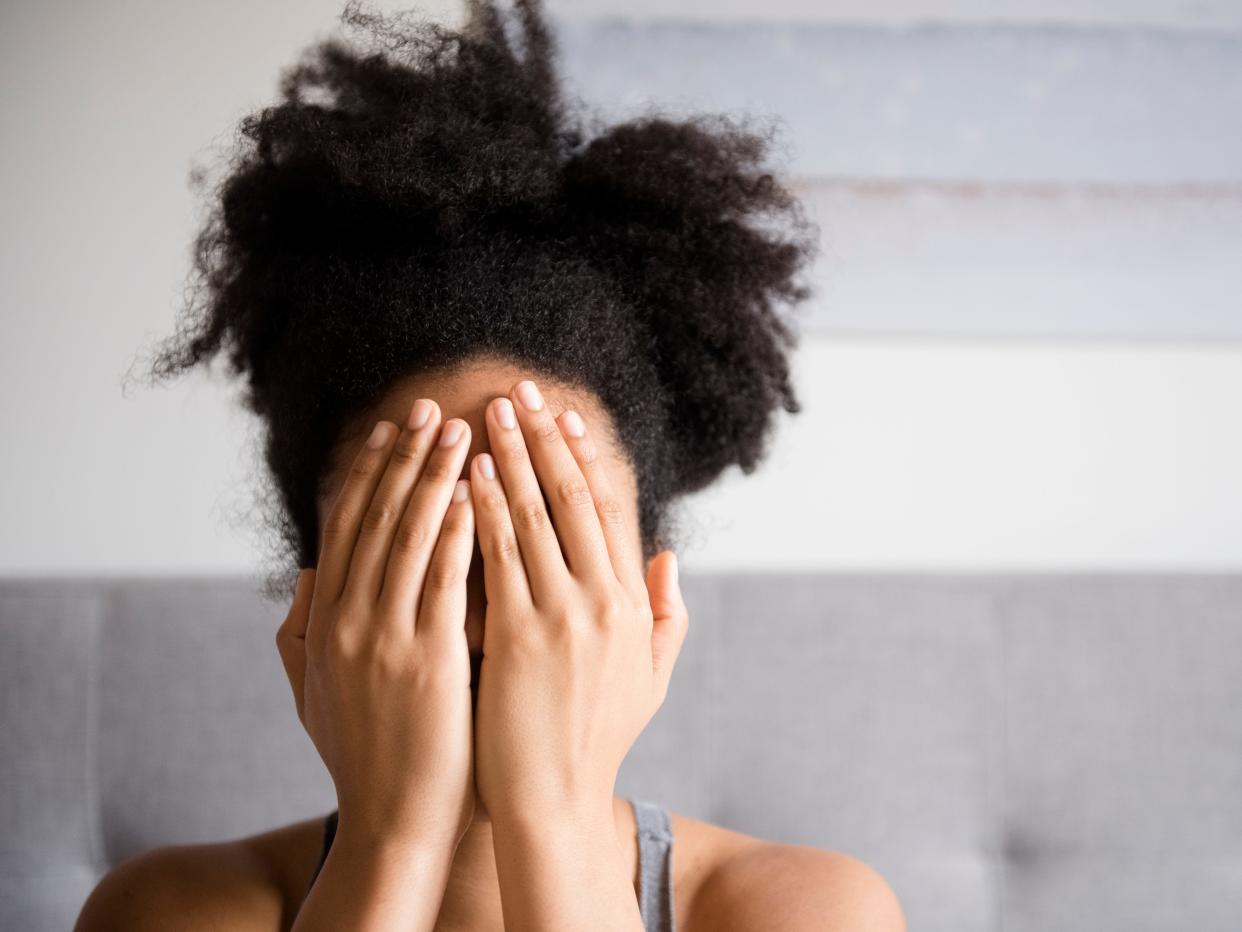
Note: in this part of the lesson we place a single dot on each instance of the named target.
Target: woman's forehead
(465, 393)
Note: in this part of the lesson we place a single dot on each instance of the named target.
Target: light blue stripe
(999, 103)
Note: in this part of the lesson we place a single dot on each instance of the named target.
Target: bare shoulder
(727, 879)
(250, 883)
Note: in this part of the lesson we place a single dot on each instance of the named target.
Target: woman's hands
(577, 647)
(377, 655)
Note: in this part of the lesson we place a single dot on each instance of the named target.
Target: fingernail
(573, 424)
(451, 433)
(379, 436)
(505, 414)
(461, 490)
(487, 465)
(420, 413)
(528, 394)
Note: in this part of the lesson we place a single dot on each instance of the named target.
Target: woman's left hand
(577, 647)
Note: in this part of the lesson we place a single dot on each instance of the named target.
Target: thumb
(670, 619)
(291, 636)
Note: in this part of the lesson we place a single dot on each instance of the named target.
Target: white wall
(923, 444)
(995, 454)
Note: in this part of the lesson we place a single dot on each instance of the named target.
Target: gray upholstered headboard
(1011, 752)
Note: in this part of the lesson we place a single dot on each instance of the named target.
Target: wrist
(566, 817)
(366, 842)
(377, 881)
(564, 867)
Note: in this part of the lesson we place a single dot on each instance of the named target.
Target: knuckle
(361, 469)
(438, 469)
(610, 612)
(380, 515)
(342, 643)
(494, 500)
(442, 575)
(387, 654)
(411, 537)
(282, 630)
(284, 634)
(406, 452)
(566, 619)
(573, 492)
(611, 514)
(511, 454)
(336, 527)
(531, 515)
(588, 453)
(545, 430)
(502, 548)
(457, 522)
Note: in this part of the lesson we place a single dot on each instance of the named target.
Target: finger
(623, 542)
(575, 521)
(441, 611)
(504, 574)
(410, 451)
(291, 638)
(529, 517)
(670, 619)
(419, 527)
(341, 526)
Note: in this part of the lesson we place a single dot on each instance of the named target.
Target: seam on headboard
(1002, 597)
(94, 806)
(707, 769)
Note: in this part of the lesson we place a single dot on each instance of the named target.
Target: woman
(490, 351)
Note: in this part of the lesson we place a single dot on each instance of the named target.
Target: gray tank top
(655, 863)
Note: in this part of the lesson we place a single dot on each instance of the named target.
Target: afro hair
(425, 195)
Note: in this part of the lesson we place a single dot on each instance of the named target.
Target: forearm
(375, 886)
(563, 873)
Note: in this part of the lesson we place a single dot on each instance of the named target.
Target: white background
(1092, 422)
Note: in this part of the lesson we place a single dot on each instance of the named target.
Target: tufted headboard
(1026, 753)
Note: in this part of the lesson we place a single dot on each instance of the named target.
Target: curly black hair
(427, 196)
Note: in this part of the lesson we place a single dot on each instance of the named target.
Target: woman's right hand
(375, 646)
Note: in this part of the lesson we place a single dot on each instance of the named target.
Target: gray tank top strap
(655, 865)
